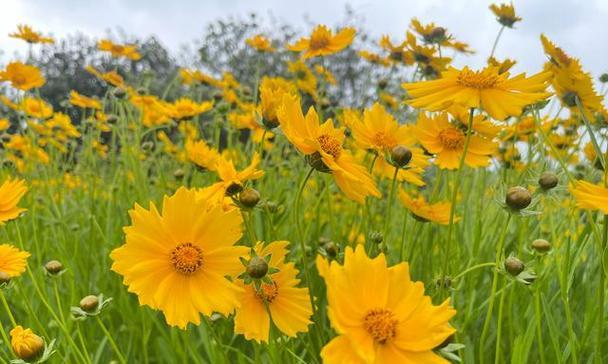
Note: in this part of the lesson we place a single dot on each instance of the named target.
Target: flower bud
(401, 155)
(514, 266)
(112, 119)
(89, 303)
(4, 277)
(518, 198)
(331, 249)
(376, 237)
(249, 197)
(270, 124)
(119, 93)
(53, 267)
(382, 83)
(257, 268)
(26, 345)
(178, 173)
(547, 181)
(604, 77)
(233, 189)
(541, 245)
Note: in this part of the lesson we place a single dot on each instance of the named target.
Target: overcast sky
(579, 26)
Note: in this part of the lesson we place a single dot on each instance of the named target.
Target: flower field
(432, 213)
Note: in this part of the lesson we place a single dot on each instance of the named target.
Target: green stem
(499, 256)
(7, 308)
(387, 221)
(296, 216)
(601, 295)
(496, 41)
(475, 267)
(455, 193)
(121, 358)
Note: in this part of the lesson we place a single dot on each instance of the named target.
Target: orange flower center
(319, 40)
(187, 258)
(330, 145)
(452, 138)
(383, 140)
(19, 79)
(267, 292)
(381, 324)
(479, 80)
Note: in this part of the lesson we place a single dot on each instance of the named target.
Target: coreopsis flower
(570, 82)
(272, 90)
(446, 140)
(22, 76)
(430, 32)
(233, 181)
(246, 118)
(379, 131)
(201, 154)
(505, 14)
(260, 43)
(427, 57)
(112, 77)
(119, 50)
(374, 58)
(36, 107)
(185, 108)
(590, 196)
(503, 66)
(424, 211)
(13, 261)
(397, 53)
(496, 93)
(85, 102)
(28, 34)
(26, 345)
(304, 77)
(322, 145)
(11, 192)
(4, 124)
(190, 76)
(177, 260)
(280, 299)
(323, 42)
(326, 75)
(380, 314)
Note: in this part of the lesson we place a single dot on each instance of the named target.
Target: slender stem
(475, 267)
(121, 358)
(387, 221)
(596, 145)
(7, 308)
(601, 295)
(296, 216)
(499, 325)
(455, 193)
(496, 41)
(539, 325)
(499, 255)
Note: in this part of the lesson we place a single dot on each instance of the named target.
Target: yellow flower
(397, 52)
(323, 42)
(281, 300)
(77, 99)
(28, 34)
(322, 145)
(12, 260)
(4, 124)
(119, 50)
(26, 345)
(36, 108)
(423, 211)
(112, 77)
(380, 314)
(233, 181)
(260, 43)
(185, 108)
(590, 196)
(192, 76)
(497, 94)
(503, 66)
(438, 136)
(505, 14)
(11, 192)
(570, 82)
(201, 154)
(177, 260)
(22, 76)
(374, 58)
(272, 90)
(304, 78)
